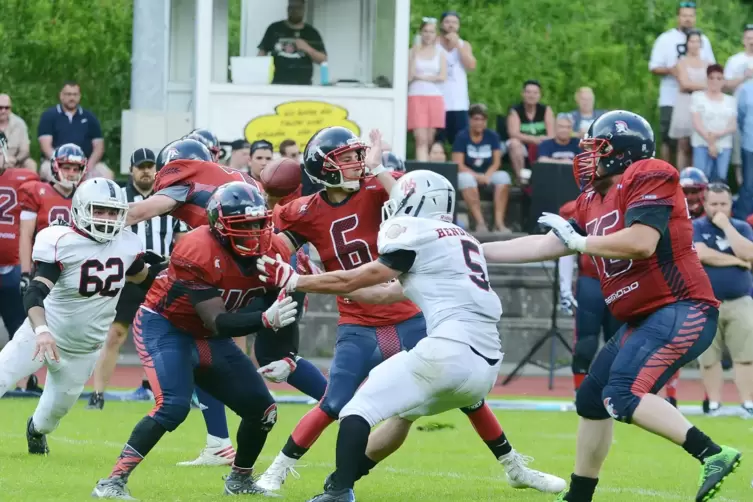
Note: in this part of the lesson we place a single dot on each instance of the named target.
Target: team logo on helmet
(621, 126)
(408, 186)
(171, 154)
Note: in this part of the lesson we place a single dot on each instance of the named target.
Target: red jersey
(200, 262)
(10, 212)
(291, 196)
(191, 183)
(586, 263)
(46, 202)
(635, 288)
(345, 235)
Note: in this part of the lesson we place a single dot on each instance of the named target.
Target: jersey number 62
(99, 279)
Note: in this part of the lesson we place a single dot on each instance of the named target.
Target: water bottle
(324, 73)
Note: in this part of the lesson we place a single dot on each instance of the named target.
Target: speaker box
(552, 186)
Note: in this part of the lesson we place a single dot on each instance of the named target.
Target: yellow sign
(298, 120)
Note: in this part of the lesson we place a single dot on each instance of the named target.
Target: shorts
(467, 180)
(438, 375)
(733, 331)
(665, 119)
(129, 302)
(425, 112)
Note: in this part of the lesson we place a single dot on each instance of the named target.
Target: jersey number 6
(478, 277)
(94, 282)
(350, 253)
(604, 226)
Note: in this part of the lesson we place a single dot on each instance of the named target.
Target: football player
(632, 218)
(80, 271)
(209, 140)
(342, 222)
(184, 327)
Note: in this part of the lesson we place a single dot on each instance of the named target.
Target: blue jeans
(715, 169)
(744, 204)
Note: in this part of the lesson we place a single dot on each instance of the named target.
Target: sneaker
(519, 475)
(111, 488)
(237, 483)
(141, 394)
(96, 401)
(714, 471)
(36, 441)
(747, 410)
(275, 475)
(222, 453)
(715, 409)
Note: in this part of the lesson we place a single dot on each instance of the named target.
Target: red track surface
(532, 386)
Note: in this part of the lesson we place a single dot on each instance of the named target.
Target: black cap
(143, 155)
(239, 144)
(261, 144)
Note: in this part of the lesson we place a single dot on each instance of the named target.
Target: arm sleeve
(50, 271)
(267, 43)
(658, 55)
(189, 276)
(496, 141)
(95, 129)
(47, 247)
(27, 198)
(316, 41)
(652, 216)
(46, 124)
(136, 267)
(459, 145)
(545, 148)
(179, 193)
(697, 232)
(401, 259)
(287, 223)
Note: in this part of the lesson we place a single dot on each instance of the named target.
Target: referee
(158, 236)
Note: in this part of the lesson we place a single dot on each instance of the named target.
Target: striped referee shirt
(156, 234)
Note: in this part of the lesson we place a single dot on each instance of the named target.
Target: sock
(671, 386)
(365, 466)
(351, 446)
(578, 380)
(488, 428)
(214, 414)
(581, 488)
(145, 384)
(308, 379)
(699, 444)
(305, 434)
(251, 439)
(144, 437)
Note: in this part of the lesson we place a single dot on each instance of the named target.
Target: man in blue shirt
(725, 247)
(563, 148)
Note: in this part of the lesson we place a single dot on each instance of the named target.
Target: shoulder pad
(54, 244)
(406, 232)
(648, 167)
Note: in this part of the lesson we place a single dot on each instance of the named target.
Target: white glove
(277, 273)
(282, 313)
(564, 231)
(568, 304)
(278, 371)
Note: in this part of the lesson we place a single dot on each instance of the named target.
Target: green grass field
(446, 465)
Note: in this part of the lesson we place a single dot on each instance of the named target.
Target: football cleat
(275, 475)
(96, 401)
(714, 471)
(519, 475)
(36, 441)
(224, 454)
(344, 495)
(243, 484)
(111, 488)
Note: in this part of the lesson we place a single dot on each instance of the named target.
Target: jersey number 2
(8, 201)
(604, 226)
(92, 281)
(350, 253)
(478, 276)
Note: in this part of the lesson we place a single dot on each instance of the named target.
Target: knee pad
(470, 409)
(620, 402)
(171, 413)
(588, 402)
(269, 418)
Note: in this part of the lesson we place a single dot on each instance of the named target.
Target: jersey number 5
(95, 282)
(478, 276)
(604, 226)
(350, 253)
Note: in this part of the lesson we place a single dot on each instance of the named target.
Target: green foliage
(45, 42)
(568, 44)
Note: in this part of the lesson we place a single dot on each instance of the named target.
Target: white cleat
(212, 456)
(275, 475)
(519, 475)
(111, 488)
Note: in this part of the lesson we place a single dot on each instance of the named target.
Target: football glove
(152, 258)
(277, 273)
(568, 304)
(281, 313)
(278, 371)
(304, 265)
(25, 281)
(574, 239)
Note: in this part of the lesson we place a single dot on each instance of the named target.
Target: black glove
(25, 280)
(152, 258)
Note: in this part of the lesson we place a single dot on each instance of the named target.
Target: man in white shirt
(667, 50)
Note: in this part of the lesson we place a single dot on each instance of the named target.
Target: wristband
(377, 170)
(41, 329)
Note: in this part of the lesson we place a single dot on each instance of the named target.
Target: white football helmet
(422, 194)
(99, 194)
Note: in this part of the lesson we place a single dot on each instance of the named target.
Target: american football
(281, 177)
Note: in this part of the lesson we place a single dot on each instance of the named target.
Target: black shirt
(292, 67)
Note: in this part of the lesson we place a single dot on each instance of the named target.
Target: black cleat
(96, 401)
(37, 442)
(344, 495)
(244, 484)
(330, 483)
(32, 384)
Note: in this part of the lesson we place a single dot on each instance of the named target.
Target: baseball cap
(239, 144)
(141, 156)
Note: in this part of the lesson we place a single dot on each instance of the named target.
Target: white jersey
(448, 280)
(81, 304)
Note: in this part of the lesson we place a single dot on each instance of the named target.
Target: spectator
(528, 124)
(289, 148)
(691, 76)
(460, 61)
(744, 203)
(668, 48)
(437, 153)
(563, 148)
(478, 154)
(738, 69)
(726, 251)
(261, 154)
(295, 46)
(67, 122)
(584, 116)
(17, 134)
(240, 155)
(427, 68)
(714, 123)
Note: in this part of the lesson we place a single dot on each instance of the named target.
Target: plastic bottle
(324, 73)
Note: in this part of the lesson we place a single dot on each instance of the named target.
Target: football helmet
(694, 182)
(68, 154)
(208, 139)
(392, 162)
(239, 218)
(186, 148)
(422, 194)
(99, 208)
(613, 142)
(323, 163)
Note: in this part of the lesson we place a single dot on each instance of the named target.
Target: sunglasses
(687, 5)
(5, 107)
(718, 186)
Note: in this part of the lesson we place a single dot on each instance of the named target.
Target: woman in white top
(691, 76)
(714, 124)
(428, 68)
